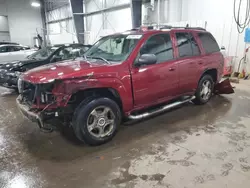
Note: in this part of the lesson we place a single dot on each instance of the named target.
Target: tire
(89, 115)
(16, 90)
(201, 97)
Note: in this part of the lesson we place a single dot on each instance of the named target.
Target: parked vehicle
(133, 74)
(10, 72)
(11, 52)
(6, 42)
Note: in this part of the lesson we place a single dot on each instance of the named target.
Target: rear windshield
(209, 43)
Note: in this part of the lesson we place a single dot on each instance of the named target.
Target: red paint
(224, 87)
(228, 68)
(138, 87)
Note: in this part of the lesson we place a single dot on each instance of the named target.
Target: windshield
(43, 53)
(115, 48)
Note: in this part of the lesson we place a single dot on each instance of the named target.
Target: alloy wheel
(206, 90)
(100, 122)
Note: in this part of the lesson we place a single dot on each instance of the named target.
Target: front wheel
(96, 120)
(204, 90)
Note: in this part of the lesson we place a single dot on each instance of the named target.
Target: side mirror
(223, 48)
(146, 59)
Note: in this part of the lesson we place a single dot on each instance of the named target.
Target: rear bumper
(227, 71)
(223, 87)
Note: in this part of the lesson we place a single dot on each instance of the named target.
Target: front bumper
(27, 113)
(39, 117)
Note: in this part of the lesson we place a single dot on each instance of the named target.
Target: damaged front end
(9, 79)
(224, 87)
(38, 103)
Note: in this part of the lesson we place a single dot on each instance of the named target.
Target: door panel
(189, 74)
(155, 83)
(189, 58)
(18, 55)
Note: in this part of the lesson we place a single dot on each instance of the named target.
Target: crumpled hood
(61, 70)
(9, 65)
(15, 64)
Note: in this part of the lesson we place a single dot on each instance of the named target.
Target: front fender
(67, 88)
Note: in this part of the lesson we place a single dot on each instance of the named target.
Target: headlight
(14, 74)
(20, 85)
(18, 73)
(10, 74)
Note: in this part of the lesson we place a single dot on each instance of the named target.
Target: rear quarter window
(209, 43)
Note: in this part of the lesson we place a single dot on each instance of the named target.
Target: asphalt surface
(191, 146)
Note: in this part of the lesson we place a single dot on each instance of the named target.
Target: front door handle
(171, 69)
(200, 62)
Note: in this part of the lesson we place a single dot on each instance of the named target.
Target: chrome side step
(162, 109)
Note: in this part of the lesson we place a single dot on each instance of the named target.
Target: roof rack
(151, 27)
(187, 27)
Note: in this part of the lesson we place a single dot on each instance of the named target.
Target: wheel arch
(110, 93)
(212, 72)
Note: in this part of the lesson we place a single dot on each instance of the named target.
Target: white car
(12, 52)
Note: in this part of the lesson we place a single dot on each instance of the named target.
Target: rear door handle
(171, 69)
(200, 62)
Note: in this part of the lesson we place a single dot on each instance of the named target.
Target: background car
(6, 42)
(9, 72)
(10, 52)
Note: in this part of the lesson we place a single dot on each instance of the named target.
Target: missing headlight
(47, 97)
(45, 91)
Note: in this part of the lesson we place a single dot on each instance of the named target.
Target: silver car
(11, 52)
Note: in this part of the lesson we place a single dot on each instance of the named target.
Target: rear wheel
(204, 90)
(96, 120)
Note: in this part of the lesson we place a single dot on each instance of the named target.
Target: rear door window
(11, 48)
(209, 43)
(195, 47)
(18, 48)
(187, 45)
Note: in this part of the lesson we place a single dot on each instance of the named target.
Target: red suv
(133, 74)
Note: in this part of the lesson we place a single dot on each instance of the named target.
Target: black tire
(16, 90)
(199, 100)
(82, 113)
